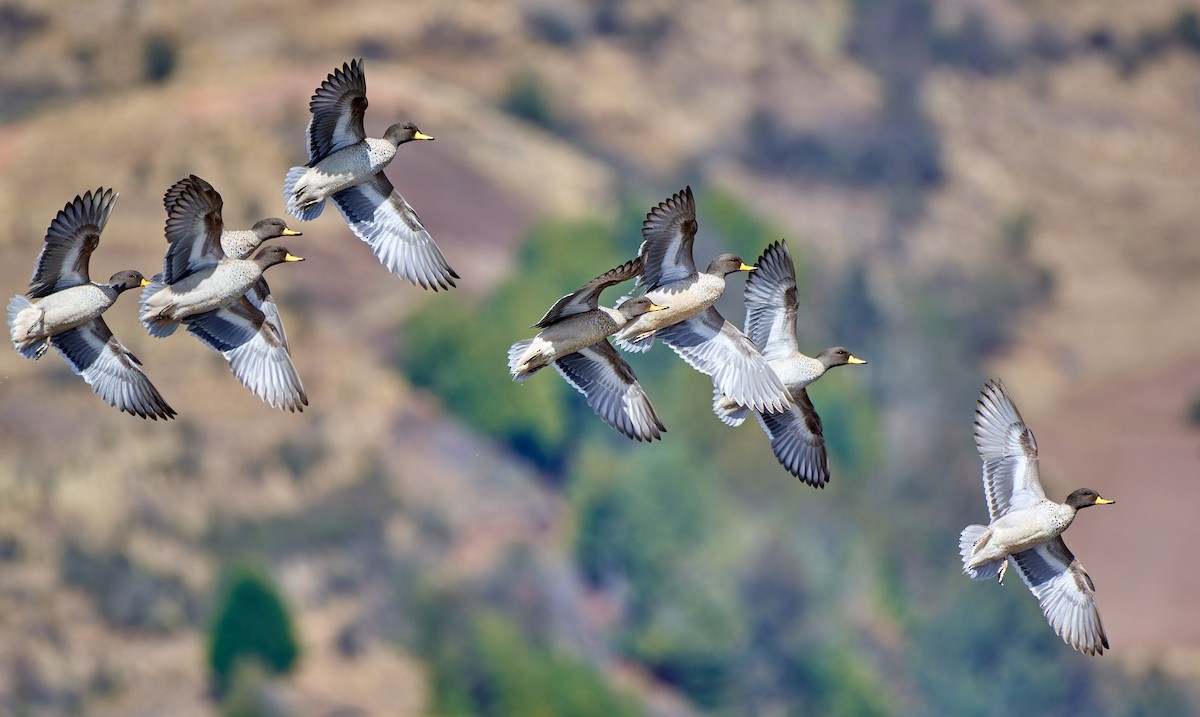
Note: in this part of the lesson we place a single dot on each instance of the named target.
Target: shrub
(252, 622)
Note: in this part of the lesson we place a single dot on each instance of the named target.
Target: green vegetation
(483, 665)
(252, 624)
(158, 59)
(528, 99)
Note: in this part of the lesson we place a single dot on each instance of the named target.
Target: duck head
(402, 132)
(1086, 497)
(272, 228)
(726, 264)
(838, 356)
(274, 254)
(128, 279)
(638, 305)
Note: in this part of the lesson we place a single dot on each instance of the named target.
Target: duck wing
(1009, 452)
(612, 390)
(1066, 594)
(798, 440)
(378, 215)
(255, 349)
(771, 304)
(587, 297)
(713, 346)
(72, 237)
(114, 373)
(667, 236)
(337, 111)
(193, 228)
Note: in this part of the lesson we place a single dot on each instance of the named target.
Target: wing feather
(1009, 453)
(72, 237)
(114, 373)
(771, 303)
(667, 236)
(715, 347)
(1065, 593)
(337, 108)
(612, 390)
(378, 215)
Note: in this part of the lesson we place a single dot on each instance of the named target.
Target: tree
(252, 622)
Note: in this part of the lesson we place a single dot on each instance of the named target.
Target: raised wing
(1009, 453)
(587, 297)
(612, 390)
(337, 112)
(713, 346)
(771, 304)
(114, 373)
(378, 215)
(260, 297)
(256, 351)
(1065, 593)
(72, 237)
(193, 228)
(797, 440)
(667, 236)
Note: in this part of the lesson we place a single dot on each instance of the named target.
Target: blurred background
(970, 188)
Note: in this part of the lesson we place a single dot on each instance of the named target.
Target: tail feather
(730, 413)
(967, 540)
(519, 368)
(148, 315)
(21, 316)
(289, 195)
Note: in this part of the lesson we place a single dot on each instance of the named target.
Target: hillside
(999, 178)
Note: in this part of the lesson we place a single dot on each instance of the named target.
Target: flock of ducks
(213, 283)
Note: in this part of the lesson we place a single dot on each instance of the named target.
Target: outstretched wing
(667, 236)
(378, 215)
(1066, 594)
(587, 297)
(713, 346)
(771, 304)
(1009, 453)
(114, 373)
(256, 350)
(72, 237)
(337, 112)
(193, 228)
(797, 440)
(612, 390)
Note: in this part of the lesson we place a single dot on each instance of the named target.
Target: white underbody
(568, 336)
(344, 168)
(204, 290)
(61, 311)
(1020, 530)
(684, 298)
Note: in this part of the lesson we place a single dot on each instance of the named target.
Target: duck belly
(62, 310)
(1021, 530)
(573, 334)
(683, 299)
(344, 168)
(205, 290)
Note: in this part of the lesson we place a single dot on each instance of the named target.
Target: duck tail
(21, 317)
(151, 316)
(522, 366)
(967, 540)
(304, 214)
(730, 413)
